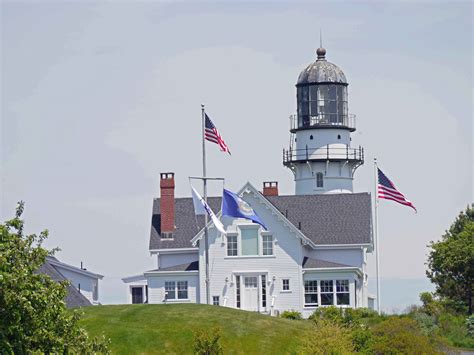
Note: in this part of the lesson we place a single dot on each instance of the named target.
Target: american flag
(388, 191)
(212, 135)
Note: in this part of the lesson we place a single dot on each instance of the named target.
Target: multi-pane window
(310, 293)
(319, 180)
(286, 284)
(322, 104)
(176, 290)
(267, 241)
(342, 292)
(182, 290)
(237, 290)
(249, 241)
(232, 245)
(170, 290)
(215, 300)
(264, 291)
(166, 235)
(327, 296)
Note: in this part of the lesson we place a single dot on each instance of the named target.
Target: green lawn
(142, 329)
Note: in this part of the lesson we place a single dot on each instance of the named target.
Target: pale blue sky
(99, 97)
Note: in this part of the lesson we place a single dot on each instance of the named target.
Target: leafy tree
(451, 262)
(33, 314)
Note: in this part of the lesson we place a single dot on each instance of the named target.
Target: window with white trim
(215, 300)
(249, 238)
(342, 292)
(176, 290)
(237, 290)
(285, 284)
(319, 180)
(170, 293)
(182, 290)
(267, 241)
(327, 295)
(231, 245)
(310, 293)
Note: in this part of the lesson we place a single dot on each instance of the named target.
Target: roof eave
(76, 269)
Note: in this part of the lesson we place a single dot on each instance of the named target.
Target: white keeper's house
(314, 252)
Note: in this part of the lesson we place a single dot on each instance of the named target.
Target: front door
(250, 299)
(137, 295)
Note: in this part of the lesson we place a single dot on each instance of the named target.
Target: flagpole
(204, 181)
(376, 232)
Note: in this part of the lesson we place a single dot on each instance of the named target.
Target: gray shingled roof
(187, 223)
(309, 263)
(329, 219)
(325, 219)
(192, 266)
(74, 298)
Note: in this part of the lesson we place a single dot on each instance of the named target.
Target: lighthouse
(320, 153)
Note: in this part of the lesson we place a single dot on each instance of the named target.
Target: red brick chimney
(270, 188)
(167, 202)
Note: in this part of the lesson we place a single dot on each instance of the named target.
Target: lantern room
(321, 92)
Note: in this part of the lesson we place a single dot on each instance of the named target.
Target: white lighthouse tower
(320, 153)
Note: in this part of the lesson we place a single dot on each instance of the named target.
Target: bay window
(342, 292)
(327, 295)
(310, 293)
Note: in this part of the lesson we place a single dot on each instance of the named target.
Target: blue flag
(234, 206)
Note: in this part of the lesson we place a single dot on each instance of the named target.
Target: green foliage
(33, 315)
(331, 313)
(345, 316)
(327, 337)
(451, 263)
(208, 343)
(400, 335)
(470, 325)
(454, 328)
(295, 315)
(362, 338)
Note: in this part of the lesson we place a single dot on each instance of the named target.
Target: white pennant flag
(201, 207)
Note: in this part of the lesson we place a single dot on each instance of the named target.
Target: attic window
(166, 235)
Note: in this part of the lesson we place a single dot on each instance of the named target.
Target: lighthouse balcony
(331, 152)
(322, 120)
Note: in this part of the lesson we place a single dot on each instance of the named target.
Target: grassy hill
(147, 329)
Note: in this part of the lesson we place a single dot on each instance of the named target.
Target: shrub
(344, 316)
(400, 335)
(453, 327)
(361, 339)
(291, 315)
(207, 343)
(331, 313)
(470, 325)
(426, 322)
(327, 337)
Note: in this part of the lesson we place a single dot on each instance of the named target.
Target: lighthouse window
(311, 137)
(319, 180)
